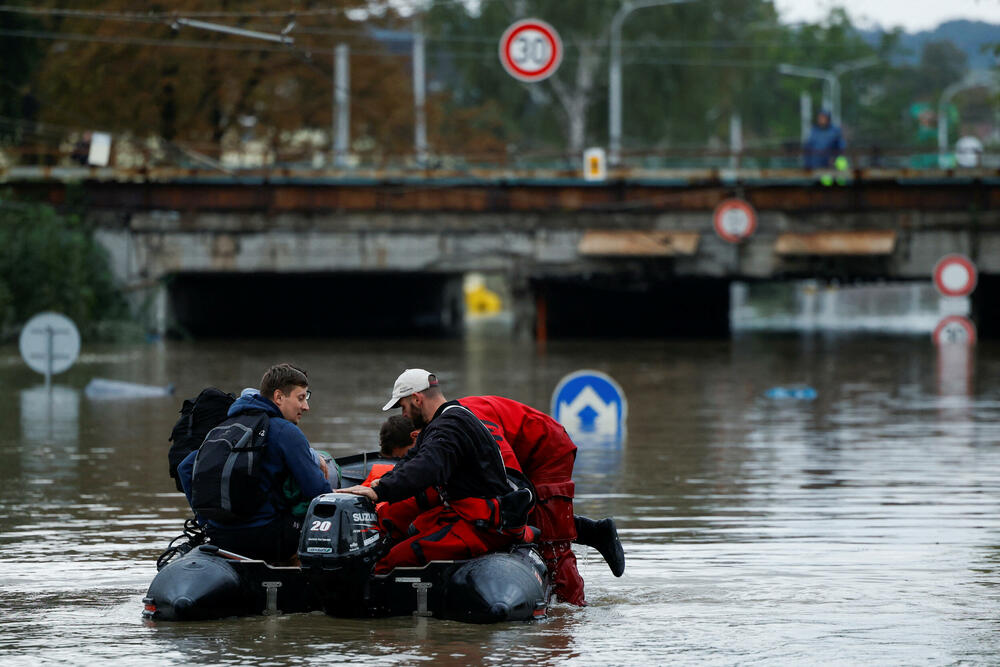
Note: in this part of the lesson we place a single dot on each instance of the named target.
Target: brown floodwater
(861, 526)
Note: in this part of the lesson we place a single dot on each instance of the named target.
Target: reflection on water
(861, 526)
(50, 432)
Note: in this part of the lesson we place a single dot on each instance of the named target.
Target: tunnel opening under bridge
(314, 305)
(613, 306)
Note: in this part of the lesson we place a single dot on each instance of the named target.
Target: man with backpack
(234, 480)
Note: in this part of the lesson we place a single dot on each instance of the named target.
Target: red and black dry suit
(459, 458)
(546, 455)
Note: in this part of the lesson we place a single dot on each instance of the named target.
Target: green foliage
(52, 262)
(18, 59)
(687, 68)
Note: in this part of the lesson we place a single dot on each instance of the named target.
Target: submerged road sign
(955, 275)
(592, 408)
(49, 343)
(530, 50)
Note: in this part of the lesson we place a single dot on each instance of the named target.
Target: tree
(51, 262)
(18, 60)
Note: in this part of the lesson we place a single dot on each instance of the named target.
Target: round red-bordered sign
(955, 329)
(734, 220)
(530, 50)
(955, 275)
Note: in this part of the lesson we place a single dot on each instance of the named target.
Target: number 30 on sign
(530, 50)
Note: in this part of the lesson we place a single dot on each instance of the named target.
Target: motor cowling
(340, 543)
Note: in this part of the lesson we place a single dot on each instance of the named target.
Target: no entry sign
(955, 275)
(734, 220)
(530, 50)
(955, 330)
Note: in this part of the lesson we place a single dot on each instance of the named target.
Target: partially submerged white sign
(50, 343)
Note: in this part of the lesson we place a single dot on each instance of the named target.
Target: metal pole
(419, 95)
(735, 140)
(615, 74)
(805, 113)
(834, 84)
(341, 104)
(615, 87)
(49, 353)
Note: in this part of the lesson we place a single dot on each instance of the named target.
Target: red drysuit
(465, 464)
(546, 455)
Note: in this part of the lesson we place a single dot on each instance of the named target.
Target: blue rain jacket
(287, 454)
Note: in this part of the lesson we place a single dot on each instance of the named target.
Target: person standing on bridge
(824, 144)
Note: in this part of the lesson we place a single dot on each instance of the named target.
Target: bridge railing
(129, 161)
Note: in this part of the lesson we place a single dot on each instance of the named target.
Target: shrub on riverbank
(50, 261)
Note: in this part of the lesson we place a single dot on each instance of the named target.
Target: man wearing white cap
(456, 455)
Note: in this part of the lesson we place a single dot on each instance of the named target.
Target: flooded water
(861, 526)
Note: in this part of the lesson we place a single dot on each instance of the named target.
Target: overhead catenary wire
(167, 17)
(370, 8)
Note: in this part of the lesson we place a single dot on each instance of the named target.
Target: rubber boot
(603, 536)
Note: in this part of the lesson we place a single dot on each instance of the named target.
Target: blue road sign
(592, 408)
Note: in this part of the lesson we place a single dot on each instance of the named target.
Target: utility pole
(805, 114)
(615, 73)
(341, 129)
(419, 94)
(340, 113)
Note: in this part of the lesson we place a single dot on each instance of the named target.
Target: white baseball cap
(409, 382)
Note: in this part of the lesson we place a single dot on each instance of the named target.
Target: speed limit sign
(530, 50)
(734, 220)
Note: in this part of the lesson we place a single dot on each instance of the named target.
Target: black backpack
(225, 484)
(199, 415)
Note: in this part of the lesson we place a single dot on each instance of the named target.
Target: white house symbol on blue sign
(592, 408)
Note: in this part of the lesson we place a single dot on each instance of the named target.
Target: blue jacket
(287, 453)
(822, 146)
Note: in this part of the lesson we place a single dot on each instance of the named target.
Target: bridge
(358, 253)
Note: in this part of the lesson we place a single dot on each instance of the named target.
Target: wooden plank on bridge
(880, 242)
(649, 243)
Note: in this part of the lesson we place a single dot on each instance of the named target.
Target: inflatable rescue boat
(339, 545)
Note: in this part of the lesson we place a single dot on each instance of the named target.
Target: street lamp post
(615, 73)
(831, 94)
(975, 79)
(340, 117)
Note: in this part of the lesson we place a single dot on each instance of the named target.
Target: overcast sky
(912, 15)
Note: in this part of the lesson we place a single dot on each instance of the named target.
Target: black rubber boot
(603, 536)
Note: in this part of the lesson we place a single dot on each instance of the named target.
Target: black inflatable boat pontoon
(338, 548)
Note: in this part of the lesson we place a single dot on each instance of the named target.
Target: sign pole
(49, 354)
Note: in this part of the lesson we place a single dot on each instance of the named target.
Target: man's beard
(418, 420)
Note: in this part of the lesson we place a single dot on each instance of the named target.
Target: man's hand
(360, 490)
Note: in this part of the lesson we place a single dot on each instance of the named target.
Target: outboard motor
(340, 544)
